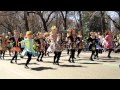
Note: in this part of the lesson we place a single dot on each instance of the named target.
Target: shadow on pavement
(10, 59)
(29, 64)
(71, 66)
(90, 63)
(42, 68)
(107, 61)
(48, 56)
(50, 62)
(113, 59)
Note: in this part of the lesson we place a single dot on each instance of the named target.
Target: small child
(28, 50)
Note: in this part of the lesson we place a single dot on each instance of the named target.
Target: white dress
(51, 48)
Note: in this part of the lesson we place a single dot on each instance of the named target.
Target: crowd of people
(42, 44)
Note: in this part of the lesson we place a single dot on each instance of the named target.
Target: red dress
(16, 48)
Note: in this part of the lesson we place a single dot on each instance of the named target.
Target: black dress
(92, 45)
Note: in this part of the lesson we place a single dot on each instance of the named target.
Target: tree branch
(49, 17)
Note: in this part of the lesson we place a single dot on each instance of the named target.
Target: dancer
(28, 50)
(108, 43)
(72, 39)
(92, 44)
(41, 46)
(15, 40)
(79, 42)
(3, 45)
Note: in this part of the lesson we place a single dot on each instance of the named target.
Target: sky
(113, 14)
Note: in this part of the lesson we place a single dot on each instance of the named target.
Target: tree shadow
(42, 68)
(90, 63)
(48, 56)
(77, 59)
(29, 64)
(81, 59)
(50, 62)
(71, 66)
(27, 58)
(107, 61)
(7, 56)
(113, 59)
(10, 59)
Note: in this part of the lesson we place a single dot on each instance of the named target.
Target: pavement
(83, 68)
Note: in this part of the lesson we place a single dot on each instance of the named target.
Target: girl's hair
(107, 32)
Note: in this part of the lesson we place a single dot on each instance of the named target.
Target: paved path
(83, 68)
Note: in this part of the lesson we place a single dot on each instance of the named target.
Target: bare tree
(64, 16)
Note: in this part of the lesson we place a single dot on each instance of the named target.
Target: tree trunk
(103, 27)
(65, 24)
(26, 21)
(81, 26)
(44, 23)
(64, 19)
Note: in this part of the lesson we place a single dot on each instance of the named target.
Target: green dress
(28, 47)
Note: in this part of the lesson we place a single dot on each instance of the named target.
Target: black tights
(57, 56)
(29, 58)
(46, 50)
(96, 53)
(109, 52)
(79, 51)
(68, 51)
(2, 52)
(93, 52)
(15, 57)
(41, 53)
(72, 55)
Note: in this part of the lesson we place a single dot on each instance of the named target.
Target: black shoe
(38, 60)
(109, 56)
(73, 61)
(69, 61)
(48, 54)
(41, 60)
(95, 57)
(91, 59)
(21, 56)
(26, 67)
(15, 61)
(11, 61)
(57, 63)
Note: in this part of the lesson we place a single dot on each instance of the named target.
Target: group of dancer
(41, 44)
